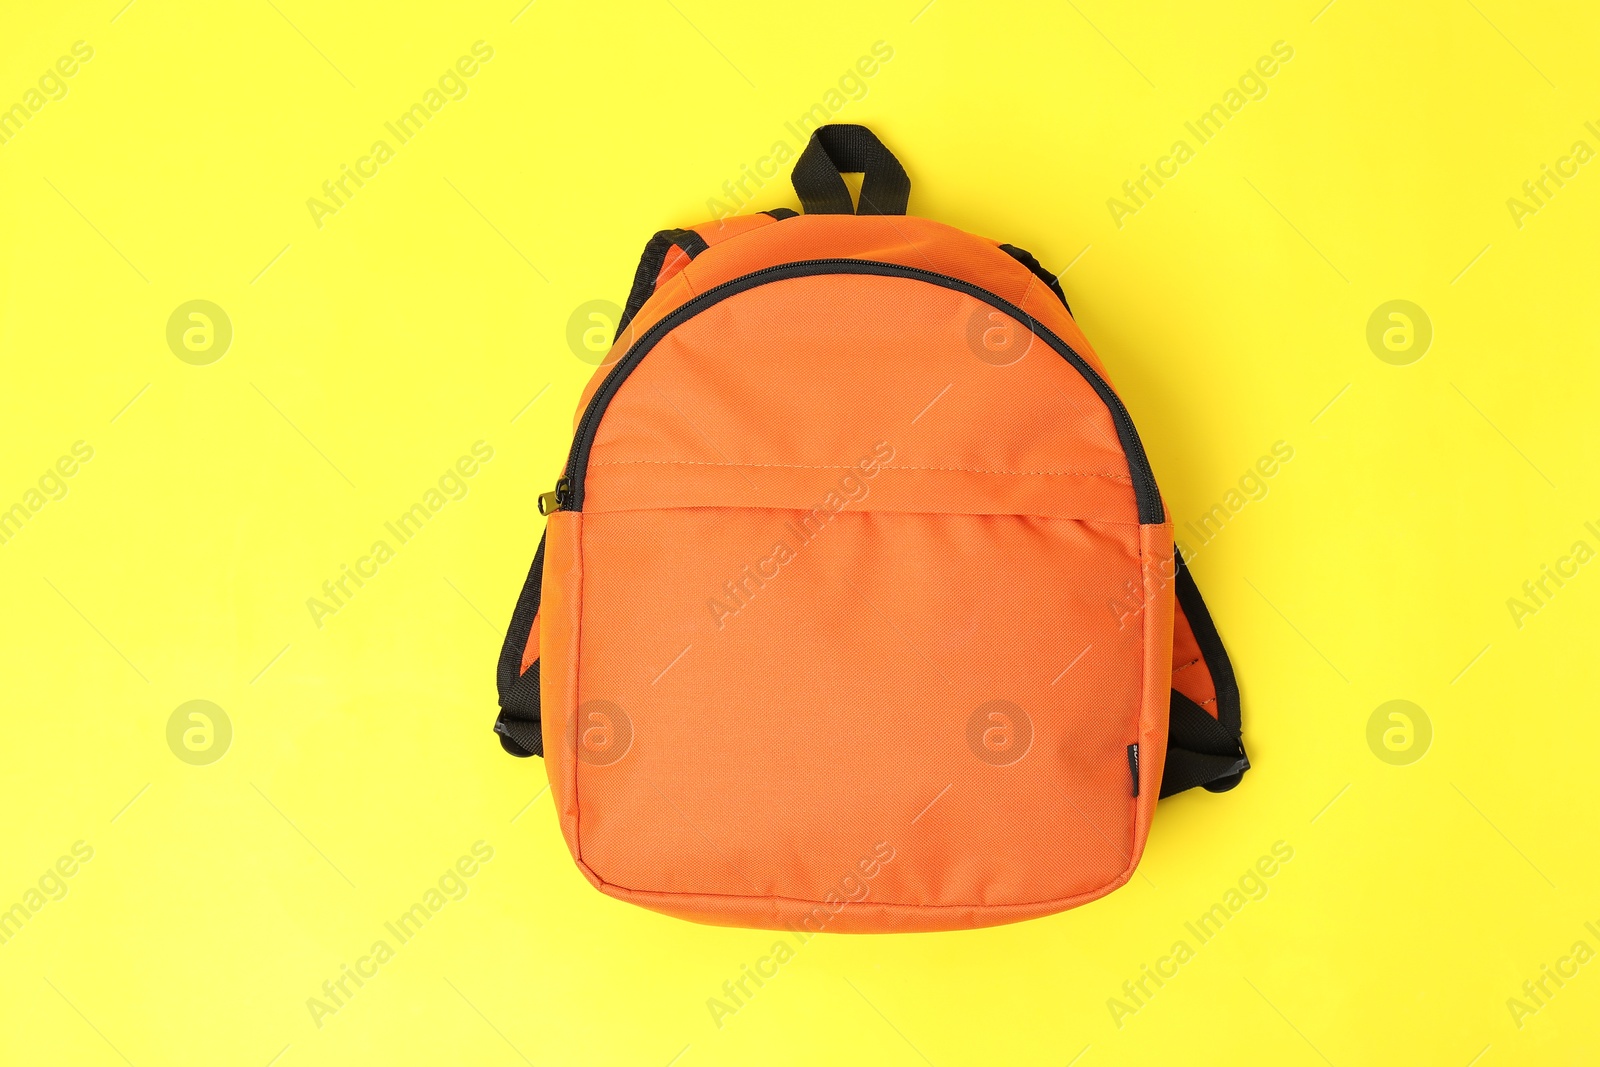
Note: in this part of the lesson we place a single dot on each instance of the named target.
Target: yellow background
(370, 353)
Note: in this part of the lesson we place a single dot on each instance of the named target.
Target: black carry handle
(845, 148)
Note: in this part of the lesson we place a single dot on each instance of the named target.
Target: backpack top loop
(845, 148)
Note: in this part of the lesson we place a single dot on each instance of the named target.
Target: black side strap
(841, 149)
(1202, 750)
(655, 254)
(518, 722)
(1023, 256)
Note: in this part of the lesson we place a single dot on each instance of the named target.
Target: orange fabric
(902, 239)
(676, 259)
(713, 233)
(558, 655)
(1190, 675)
(530, 651)
(833, 643)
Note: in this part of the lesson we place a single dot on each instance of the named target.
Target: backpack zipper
(568, 493)
(552, 501)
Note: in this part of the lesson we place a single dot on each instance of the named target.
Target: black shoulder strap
(1023, 256)
(518, 722)
(844, 148)
(1202, 750)
(649, 269)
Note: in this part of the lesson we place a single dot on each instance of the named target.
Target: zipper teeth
(590, 413)
(578, 459)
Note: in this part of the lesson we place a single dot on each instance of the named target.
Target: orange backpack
(857, 607)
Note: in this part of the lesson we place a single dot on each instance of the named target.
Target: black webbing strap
(844, 148)
(1202, 750)
(650, 263)
(518, 722)
(1023, 256)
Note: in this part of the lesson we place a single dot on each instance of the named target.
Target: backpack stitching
(851, 466)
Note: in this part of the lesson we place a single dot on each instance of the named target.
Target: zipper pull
(554, 501)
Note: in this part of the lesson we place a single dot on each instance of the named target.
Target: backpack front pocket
(778, 693)
(859, 599)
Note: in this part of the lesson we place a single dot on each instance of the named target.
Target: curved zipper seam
(1150, 508)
